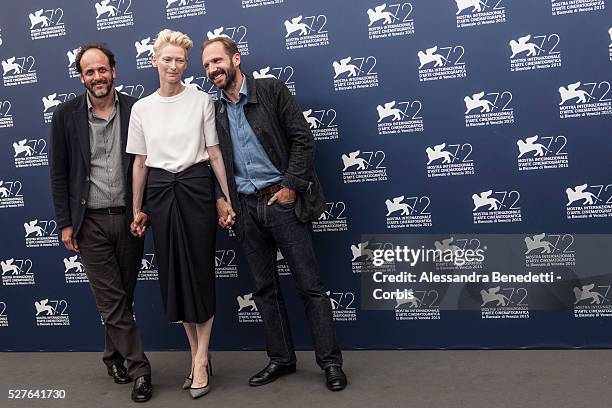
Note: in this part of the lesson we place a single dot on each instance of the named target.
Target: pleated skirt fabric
(184, 223)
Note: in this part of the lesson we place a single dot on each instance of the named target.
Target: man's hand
(69, 242)
(284, 196)
(226, 213)
(138, 227)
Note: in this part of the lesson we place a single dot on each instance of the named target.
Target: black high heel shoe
(201, 391)
(188, 380)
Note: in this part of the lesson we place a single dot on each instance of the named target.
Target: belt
(268, 190)
(109, 210)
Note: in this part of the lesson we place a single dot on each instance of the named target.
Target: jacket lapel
(225, 139)
(81, 126)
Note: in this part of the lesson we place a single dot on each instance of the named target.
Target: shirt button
(83, 202)
(87, 178)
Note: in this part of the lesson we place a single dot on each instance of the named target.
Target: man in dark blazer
(91, 185)
(268, 152)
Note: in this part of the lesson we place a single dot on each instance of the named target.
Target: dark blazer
(69, 159)
(280, 127)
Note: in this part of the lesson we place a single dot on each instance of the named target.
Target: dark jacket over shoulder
(69, 159)
(278, 123)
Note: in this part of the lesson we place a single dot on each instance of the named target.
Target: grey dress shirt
(107, 186)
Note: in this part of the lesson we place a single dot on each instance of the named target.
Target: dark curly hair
(98, 46)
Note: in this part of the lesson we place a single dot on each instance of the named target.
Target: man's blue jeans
(266, 228)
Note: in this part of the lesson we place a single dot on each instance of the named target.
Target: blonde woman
(172, 133)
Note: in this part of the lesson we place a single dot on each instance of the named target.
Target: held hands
(138, 227)
(284, 196)
(226, 213)
(69, 242)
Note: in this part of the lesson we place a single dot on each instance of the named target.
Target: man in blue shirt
(268, 152)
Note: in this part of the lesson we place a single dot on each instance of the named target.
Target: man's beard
(230, 77)
(103, 93)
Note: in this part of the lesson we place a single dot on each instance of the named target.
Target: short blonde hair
(171, 37)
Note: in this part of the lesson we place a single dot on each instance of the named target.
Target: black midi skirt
(184, 223)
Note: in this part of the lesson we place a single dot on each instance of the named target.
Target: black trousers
(267, 227)
(112, 258)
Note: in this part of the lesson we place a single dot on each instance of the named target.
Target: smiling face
(170, 62)
(97, 74)
(221, 68)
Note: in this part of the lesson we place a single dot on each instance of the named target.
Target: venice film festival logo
(17, 272)
(332, 219)
(472, 13)
(237, 34)
(3, 316)
(504, 303)
(50, 102)
(422, 305)
(41, 233)
(361, 167)
(135, 91)
(560, 7)
(459, 246)
(305, 32)
(547, 250)
(322, 123)
(6, 117)
(113, 14)
(144, 53)
(408, 212)
(492, 207)
(592, 300)
(283, 73)
(30, 153)
(10, 194)
(549, 154)
(362, 257)
(535, 52)
(247, 309)
(584, 201)
(489, 109)
(71, 54)
(201, 83)
(342, 305)
(440, 63)
(148, 268)
(19, 71)
(449, 160)
(184, 8)
(390, 20)
(74, 270)
(225, 263)
(47, 23)
(400, 117)
(52, 312)
(355, 73)
(584, 100)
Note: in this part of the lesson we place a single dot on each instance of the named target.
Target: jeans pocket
(289, 206)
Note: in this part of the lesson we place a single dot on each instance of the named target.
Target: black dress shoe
(335, 379)
(119, 374)
(271, 373)
(143, 390)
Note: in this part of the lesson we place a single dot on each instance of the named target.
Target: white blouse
(173, 132)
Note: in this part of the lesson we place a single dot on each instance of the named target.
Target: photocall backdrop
(439, 117)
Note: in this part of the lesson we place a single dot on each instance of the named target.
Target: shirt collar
(244, 90)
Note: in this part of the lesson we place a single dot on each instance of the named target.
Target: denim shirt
(253, 169)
